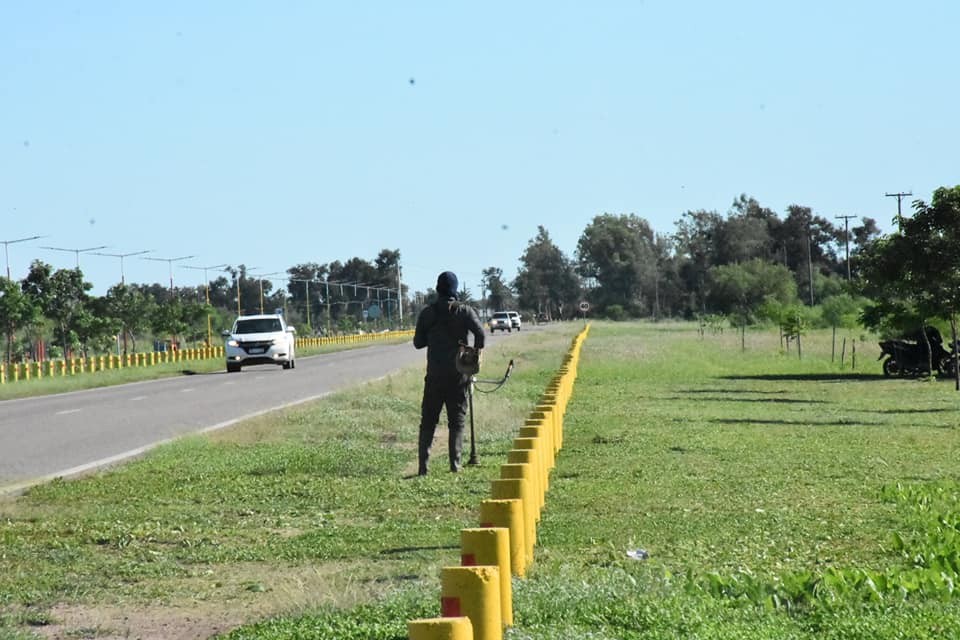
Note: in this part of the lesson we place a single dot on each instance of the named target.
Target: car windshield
(500, 316)
(258, 325)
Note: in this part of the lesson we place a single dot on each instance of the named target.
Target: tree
(840, 310)
(61, 295)
(741, 289)
(131, 308)
(16, 311)
(696, 249)
(499, 296)
(619, 253)
(546, 282)
(918, 269)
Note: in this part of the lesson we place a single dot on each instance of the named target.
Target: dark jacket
(441, 327)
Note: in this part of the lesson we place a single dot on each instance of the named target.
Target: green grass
(777, 498)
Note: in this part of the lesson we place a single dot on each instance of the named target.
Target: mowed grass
(777, 497)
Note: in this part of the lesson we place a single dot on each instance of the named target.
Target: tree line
(744, 265)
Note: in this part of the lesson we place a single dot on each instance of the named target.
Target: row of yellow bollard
(476, 598)
(354, 339)
(73, 366)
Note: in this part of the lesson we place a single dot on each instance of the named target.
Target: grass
(776, 497)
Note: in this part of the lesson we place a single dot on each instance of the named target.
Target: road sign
(584, 306)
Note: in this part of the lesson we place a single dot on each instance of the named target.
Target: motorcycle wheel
(891, 368)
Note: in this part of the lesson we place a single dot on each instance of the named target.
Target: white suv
(514, 319)
(260, 339)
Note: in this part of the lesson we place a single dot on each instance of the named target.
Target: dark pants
(438, 392)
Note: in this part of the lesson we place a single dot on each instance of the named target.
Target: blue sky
(275, 133)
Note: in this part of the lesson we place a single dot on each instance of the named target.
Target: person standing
(441, 328)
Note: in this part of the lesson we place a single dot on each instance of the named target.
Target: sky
(271, 134)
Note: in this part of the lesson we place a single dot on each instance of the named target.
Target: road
(68, 434)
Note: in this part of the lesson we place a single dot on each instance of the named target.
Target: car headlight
(232, 342)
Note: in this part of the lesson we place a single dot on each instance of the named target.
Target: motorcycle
(907, 356)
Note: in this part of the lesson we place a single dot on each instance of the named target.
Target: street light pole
(123, 280)
(6, 249)
(207, 296)
(76, 252)
(170, 262)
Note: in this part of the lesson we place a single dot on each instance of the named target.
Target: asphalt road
(68, 434)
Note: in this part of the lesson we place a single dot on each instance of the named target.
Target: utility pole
(846, 237)
(899, 196)
(810, 262)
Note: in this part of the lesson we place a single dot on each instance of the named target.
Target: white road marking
(66, 411)
(138, 398)
(186, 390)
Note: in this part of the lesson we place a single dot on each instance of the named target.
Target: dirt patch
(226, 597)
(132, 623)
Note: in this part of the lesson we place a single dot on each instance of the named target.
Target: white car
(259, 339)
(500, 320)
(514, 319)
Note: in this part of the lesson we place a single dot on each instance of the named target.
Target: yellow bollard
(440, 629)
(539, 425)
(515, 470)
(508, 514)
(519, 489)
(490, 546)
(527, 456)
(535, 445)
(3, 373)
(473, 592)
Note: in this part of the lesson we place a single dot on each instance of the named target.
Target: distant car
(260, 339)
(514, 319)
(501, 321)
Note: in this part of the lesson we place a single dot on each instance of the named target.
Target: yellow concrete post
(3, 373)
(536, 445)
(540, 427)
(440, 629)
(490, 546)
(519, 489)
(516, 470)
(508, 514)
(555, 418)
(528, 456)
(473, 592)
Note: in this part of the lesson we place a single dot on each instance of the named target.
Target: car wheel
(233, 368)
(287, 365)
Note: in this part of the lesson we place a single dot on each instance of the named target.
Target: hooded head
(447, 284)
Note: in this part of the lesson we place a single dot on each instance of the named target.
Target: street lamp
(240, 273)
(207, 285)
(6, 251)
(170, 262)
(76, 252)
(123, 280)
(261, 277)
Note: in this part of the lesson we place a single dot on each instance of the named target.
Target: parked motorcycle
(907, 356)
